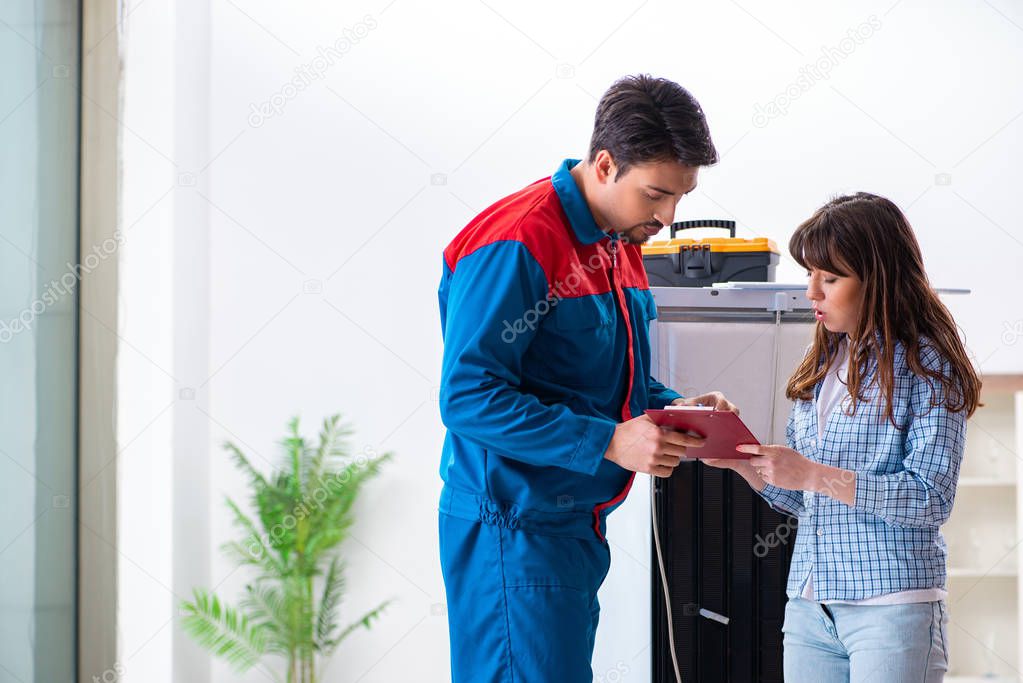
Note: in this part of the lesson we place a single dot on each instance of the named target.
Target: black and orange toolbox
(683, 262)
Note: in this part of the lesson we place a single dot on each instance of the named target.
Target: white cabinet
(984, 542)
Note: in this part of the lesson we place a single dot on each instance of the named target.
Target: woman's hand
(735, 464)
(788, 469)
(740, 467)
(781, 466)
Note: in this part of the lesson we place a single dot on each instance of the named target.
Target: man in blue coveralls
(545, 310)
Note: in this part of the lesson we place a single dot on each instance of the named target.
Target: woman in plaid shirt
(875, 440)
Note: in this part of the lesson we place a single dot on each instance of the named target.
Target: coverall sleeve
(660, 395)
(493, 309)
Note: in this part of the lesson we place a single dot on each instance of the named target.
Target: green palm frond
(223, 631)
(245, 523)
(343, 487)
(245, 555)
(242, 519)
(365, 622)
(256, 478)
(275, 505)
(340, 490)
(295, 450)
(332, 445)
(254, 548)
(327, 537)
(266, 607)
(333, 589)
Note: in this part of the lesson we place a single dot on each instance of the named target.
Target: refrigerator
(725, 552)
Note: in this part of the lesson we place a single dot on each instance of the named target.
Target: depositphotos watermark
(779, 536)
(1012, 332)
(615, 674)
(258, 546)
(306, 74)
(814, 72)
(54, 290)
(570, 285)
(111, 675)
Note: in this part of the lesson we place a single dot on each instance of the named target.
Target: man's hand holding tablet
(639, 445)
(721, 428)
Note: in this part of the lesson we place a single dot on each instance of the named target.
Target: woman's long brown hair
(868, 236)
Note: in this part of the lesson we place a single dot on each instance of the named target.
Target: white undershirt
(833, 391)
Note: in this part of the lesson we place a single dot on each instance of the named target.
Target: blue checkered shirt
(889, 540)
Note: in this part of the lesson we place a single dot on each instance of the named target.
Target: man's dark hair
(642, 119)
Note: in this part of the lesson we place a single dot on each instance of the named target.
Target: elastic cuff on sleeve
(592, 446)
(665, 398)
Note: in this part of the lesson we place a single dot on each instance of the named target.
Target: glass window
(39, 136)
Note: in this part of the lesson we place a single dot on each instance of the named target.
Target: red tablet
(722, 429)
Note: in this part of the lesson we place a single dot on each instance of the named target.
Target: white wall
(327, 218)
(145, 384)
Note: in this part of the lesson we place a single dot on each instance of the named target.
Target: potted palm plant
(302, 514)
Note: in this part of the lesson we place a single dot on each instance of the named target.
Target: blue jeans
(865, 643)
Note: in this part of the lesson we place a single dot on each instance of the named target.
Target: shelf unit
(985, 629)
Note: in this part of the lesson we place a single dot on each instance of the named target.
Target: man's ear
(605, 167)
